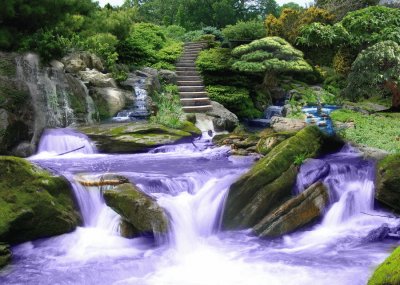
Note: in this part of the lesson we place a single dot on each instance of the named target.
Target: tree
(376, 71)
(269, 56)
(290, 22)
(341, 7)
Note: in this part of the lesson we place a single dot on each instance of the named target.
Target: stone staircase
(194, 98)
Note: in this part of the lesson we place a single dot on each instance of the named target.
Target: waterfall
(140, 109)
(273, 111)
(64, 141)
(350, 180)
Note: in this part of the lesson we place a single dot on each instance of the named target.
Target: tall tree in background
(341, 7)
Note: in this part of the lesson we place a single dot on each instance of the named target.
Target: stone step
(194, 46)
(192, 59)
(195, 101)
(190, 83)
(197, 109)
(186, 73)
(192, 50)
(198, 88)
(186, 69)
(190, 54)
(186, 60)
(183, 78)
(193, 94)
(186, 64)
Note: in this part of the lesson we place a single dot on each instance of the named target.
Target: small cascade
(64, 141)
(140, 109)
(350, 180)
(319, 116)
(269, 112)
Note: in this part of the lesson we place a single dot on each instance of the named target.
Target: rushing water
(191, 184)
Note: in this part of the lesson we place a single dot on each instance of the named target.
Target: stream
(191, 182)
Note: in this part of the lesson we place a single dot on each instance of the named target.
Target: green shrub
(103, 45)
(251, 30)
(174, 32)
(192, 36)
(213, 31)
(237, 100)
(215, 59)
(169, 109)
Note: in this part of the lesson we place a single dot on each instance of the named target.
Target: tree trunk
(394, 89)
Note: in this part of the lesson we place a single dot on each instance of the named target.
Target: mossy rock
(7, 65)
(299, 211)
(5, 255)
(137, 137)
(34, 203)
(388, 186)
(269, 183)
(388, 273)
(137, 208)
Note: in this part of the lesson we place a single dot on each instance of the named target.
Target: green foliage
(290, 22)
(374, 70)
(342, 60)
(376, 130)
(321, 35)
(175, 32)
(215, 59)
(372, 25)
(104, 45)
(250, 30)
(169, 109)
(300, 159)
(237, 100)
(277, 56)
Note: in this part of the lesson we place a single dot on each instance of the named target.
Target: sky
(280, 2)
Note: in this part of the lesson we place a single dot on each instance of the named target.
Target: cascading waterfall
(140, 109)
(64, 141)
(191, 186)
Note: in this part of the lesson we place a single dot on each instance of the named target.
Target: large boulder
(223, 119)
(34, 204)
(280, 124)
(136, 137)
(5, 254)
(137, 208)
(388, 182)
(168, 76)
(110, 101)
(79, 61)
(97, 79)
(270, 182)
(388, 273)
(296, 213)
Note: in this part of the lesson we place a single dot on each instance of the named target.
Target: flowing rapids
(191, 182)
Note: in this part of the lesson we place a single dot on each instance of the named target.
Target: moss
(136, 137)
(265, 182)
(388, 273)
(5, 254)
(12, 98)
(78, 104)
(140, 210)
(388, 186)
(7, 66)
(34, 203)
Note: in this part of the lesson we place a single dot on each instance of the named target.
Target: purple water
(191, 185)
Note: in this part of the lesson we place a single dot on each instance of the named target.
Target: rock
(110, 101)
(168, 76)
(24, 149)
(5, 254)
(374, 153)
(79, 61)
(136, 137)
(127, 230)
(311, 171)
(223, 119)
(266, 144)
(388, 272)
(388, 182)
(295, 213)
(280, 124)
(34, 204)
(97, 79)
(378, 234)
(137, 208)
(269, 183)
(57, 64)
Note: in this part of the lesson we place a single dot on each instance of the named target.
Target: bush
(103, 45)
(243, 31)
(213, 31)
(376, 71)
(215, 59)
(237, 100)
(169, 109)
(174, 32)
